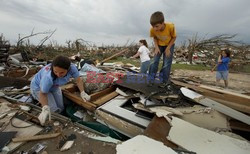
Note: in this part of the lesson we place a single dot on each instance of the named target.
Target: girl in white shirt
(143, 52)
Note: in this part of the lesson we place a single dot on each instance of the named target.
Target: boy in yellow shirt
(164, 36)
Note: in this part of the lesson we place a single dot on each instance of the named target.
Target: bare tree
(45, 39)
(219, 41)
(68, 43)
(21, 40)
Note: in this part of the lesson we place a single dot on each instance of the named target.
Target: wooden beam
(217, 106)
(230, 96)
(105, 98)
(233, 105)
(78, 100)
(104, 92)
(115, 55)
(36, 137)
(237, 103)
(237, 125)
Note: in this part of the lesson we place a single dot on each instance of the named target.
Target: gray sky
(117, 21)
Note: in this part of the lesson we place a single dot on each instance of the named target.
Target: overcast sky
(117, 21)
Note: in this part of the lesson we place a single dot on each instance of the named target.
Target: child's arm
(214, 68)
(219, 59)
(136, 55)
(167, 51)
(157, 50)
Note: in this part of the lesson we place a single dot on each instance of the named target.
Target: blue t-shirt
(223, 66)
(44, 81)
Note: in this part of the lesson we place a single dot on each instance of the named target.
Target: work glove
(85, 96)
(44, 114)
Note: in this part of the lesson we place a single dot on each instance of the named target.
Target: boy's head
(157, 21)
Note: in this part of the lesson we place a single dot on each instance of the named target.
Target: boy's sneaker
(163, 85)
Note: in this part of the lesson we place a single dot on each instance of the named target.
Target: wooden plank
(230, 96)
(224, 99)
(115, 55)
(99, 94)
(158, 129)
(237, 125)
(233, 105)
(34, 138)
(105, 98)
(217, 106)
(71, 87)
(226, 92)
(78, 100)
(118, 124)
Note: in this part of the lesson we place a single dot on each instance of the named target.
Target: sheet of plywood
(203, 141)
(118, 124)
(217, 106)
(29, 131)
(143, 144)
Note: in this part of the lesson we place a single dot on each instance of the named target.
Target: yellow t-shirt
(164, 36)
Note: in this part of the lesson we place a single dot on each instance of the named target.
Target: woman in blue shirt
(45, 86)
(222, 67)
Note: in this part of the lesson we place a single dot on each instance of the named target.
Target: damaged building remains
(124, 115)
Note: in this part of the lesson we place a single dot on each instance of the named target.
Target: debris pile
(124, 114)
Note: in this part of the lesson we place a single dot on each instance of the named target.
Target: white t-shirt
(144, 53)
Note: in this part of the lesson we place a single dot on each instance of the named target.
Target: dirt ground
(237, 81)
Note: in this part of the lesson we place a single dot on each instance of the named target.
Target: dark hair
(144, 42)
(88, 61)
(227, 51)
(157, 18)
(62, 62)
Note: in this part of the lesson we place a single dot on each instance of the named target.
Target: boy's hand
(167, 52)
(157, 51)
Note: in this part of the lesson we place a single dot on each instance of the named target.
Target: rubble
(123, 114)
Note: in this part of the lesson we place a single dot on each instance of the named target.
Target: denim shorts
(222, 75)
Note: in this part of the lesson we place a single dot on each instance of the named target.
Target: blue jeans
(144, 67)
(166, 67)
(55, 99)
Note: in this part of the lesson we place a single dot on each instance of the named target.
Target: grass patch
(174, 66)
(198, 67)
(190, 67)
(135, 62)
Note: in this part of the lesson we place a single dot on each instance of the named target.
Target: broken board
(217, 106)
